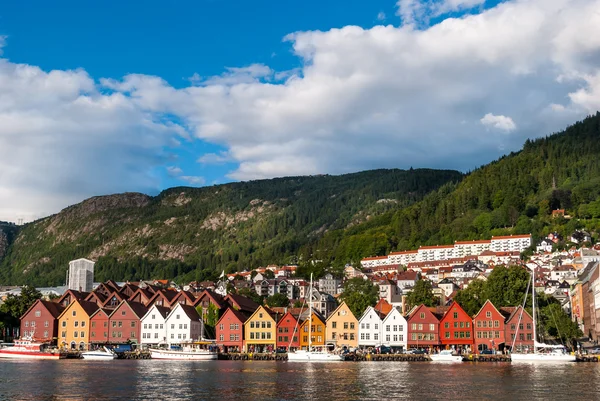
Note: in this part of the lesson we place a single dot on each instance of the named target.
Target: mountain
(191, 233)
(513, 195)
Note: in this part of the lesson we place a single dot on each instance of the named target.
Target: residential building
(315, 327)
(40, 321)
(518, 330)
(80, 276)
(260, 331)
(154, 327)
(125, 322)
(288, 332)
(510, 243)
(369, 328)
(423, 328)
(394, 331)
(488, 328)
(329, 284)
(99, 326)
(342, 328)
(389, 291)
(230, 330)
(74, 323)
(183, 324)
(456, 329)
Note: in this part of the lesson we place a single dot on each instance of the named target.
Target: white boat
(446, 356)
(103, 354)
(194, 351)
(541, 352)
(312, 355)
(27, 348)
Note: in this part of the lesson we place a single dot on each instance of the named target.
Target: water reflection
(263, 380)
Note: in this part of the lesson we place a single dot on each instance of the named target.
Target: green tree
(15, 306)
(359, 294)
(250, 293)
(557, 324)
(422, 293)
(506, 286)
(472, 298)
(277, 300)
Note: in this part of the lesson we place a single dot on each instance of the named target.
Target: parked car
(416, 352)
(595, 351)
(487, 352)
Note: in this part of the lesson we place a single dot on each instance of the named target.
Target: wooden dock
(486, 358)
(588, 358)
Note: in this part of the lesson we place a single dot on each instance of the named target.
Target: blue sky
(445, 84)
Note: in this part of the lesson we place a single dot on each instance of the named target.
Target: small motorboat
(103, 354)
(446, 356)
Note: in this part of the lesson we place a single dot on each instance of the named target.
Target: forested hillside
(513, 195)
(191, 233)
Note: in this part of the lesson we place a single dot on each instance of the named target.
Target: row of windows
(457, 325)
(484, 323)
(156, 326)
(419, 326)
(513, 326)
(423, 336)
(458, 334)
(93, 334)
(488, 334)
(367, 336)
(334, 325)
(522, 337)
(149, 335)
(179, 336)
(232, 326)
(343, 336)
(232, 337)
(396, 337)
(317, 329)
(46, 324)
(366, 326)
(105, 324)
(32, 332)
(258, 325)
(317, 339)
(75, 334)
(286, 339)
(260, 335)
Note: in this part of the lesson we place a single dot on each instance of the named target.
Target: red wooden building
(99, 326)
(456, 329)
(488, 328)
(230, 330)
(124, 322)
(41, 321)
(519, 328)
(423, 328)
(286, 338)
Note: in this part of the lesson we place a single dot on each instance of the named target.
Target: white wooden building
(154, 328)
(369, 328)
(183, 324)
(394, 330)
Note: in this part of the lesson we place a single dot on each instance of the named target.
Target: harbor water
(271, 380)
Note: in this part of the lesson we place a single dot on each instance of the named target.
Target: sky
(106, 97)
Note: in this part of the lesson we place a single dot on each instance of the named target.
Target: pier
(486, 358)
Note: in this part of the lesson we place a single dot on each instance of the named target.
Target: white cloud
(2, 42)
(214, 158)
(193, 180)
(381, 16)
(365, 98)
(174, 171)
(420, 11)
(502, 123)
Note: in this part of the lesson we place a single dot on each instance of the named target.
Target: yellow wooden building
(260, 331)
(317, 331)
(74, 324)
(342, 328)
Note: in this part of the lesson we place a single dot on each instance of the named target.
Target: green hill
(191, 233)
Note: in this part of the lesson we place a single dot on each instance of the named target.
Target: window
(63, 334)
(177, 317)
(26, 323)
(334, 325)
(122, 313)
(94, 325)
(120, 324)
(264, 325)
(479, 323)
(529, 336)
(64, 323)
(512, 327)
(46, 324)
(76, 323)
(114, 324)
(153, 317)
(376, 336)
(172, 335)
(75, 334)
(432, 327)
(172, 327)
(252, 335)
(455, 315)
(496, 323)
(447, 325)
(260, 315)
(488, 314)
(74, 313)
(185, 326)
(133, 324)
(252, 325)
(455, 325)
(155, 326)
(155, 335)
(367, 336)
(83, 324)
(376, 326)
(351, 326)
(422, 315)
(413, 336)
(268, 325)
(528, 326)
(161, 326)
(447, 334)
(38, 313)
(351, 336)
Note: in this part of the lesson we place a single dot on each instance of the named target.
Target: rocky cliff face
(7, 234)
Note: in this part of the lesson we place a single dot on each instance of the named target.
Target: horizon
(201, 93)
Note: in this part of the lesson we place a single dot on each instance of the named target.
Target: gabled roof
(143, 293)
(483, 306)
(113, 284)
(88, 307)
(137, 308)
(305, 315)
(243, 303)
(264, 309)
(342, 305)
(516, 313)
(166, 295)
(383, 307)
(188, 296)
(393, 312)
(96, 297)
(242, 317)
(213, 297)
(188, 310)
(115, 294)
(106, 311)
(162, 310)
(368, 311)
(74, 294)
(54, 308)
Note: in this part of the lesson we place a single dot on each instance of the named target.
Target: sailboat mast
(310, 314)
(533, 308)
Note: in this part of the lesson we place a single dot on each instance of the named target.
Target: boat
(541, 352)
(198, 351)
(103, 354)
(27, 348)
(312, 355)
(446, 356)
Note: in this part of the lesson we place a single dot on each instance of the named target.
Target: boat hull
(446, 358)
(183, 355)
(542, 358)
(5, 354)
(98, 356)
(314, 357)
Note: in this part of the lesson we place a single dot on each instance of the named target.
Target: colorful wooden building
(456, 329)
(488, 328)
(260, 331)
(230, 330)
(74, 324)
(288, 332)
(342, 328)
(423, 328)
(125, 322)
(317, 326)
(519, 329)
(40, 321)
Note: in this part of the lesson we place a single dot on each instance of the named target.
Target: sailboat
(311, 355)
(541, 352)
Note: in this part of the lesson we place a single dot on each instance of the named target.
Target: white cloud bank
(365, 98)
